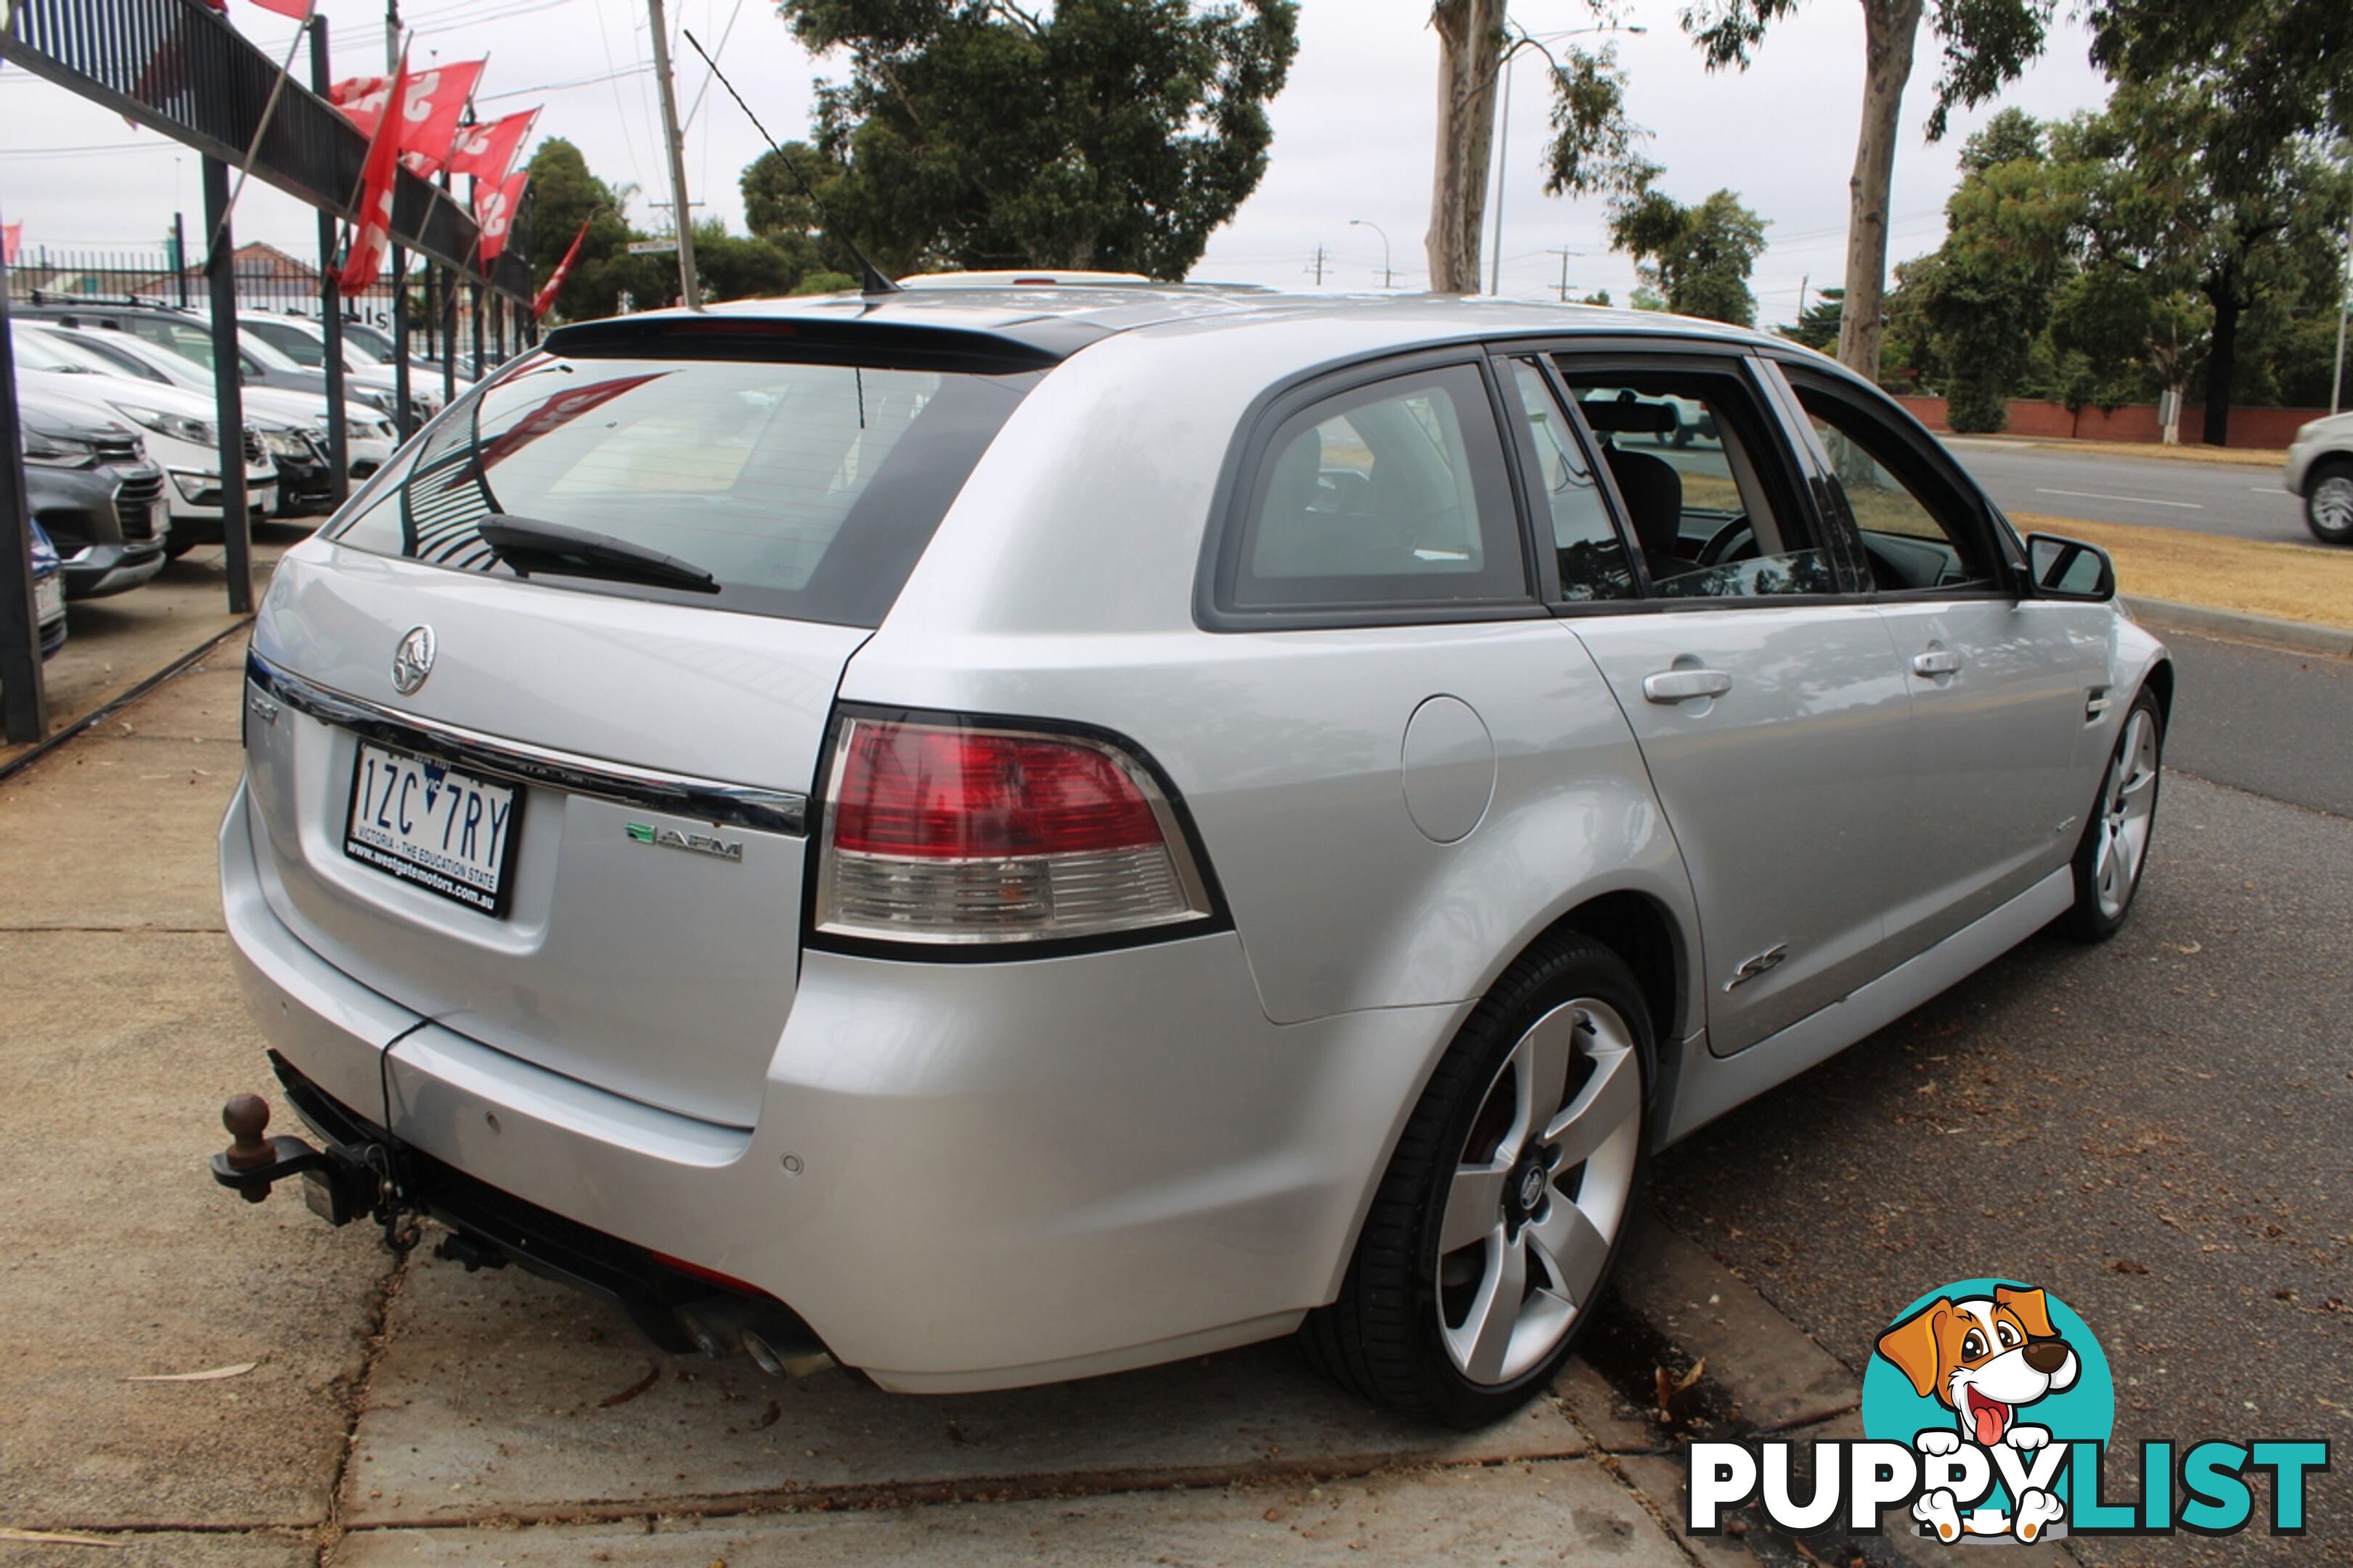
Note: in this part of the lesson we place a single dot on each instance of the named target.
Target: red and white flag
(429, 110)
(546, 296)
(298, 9)
(487, 152)
(494, 210)
(11, 235)
(430, 113)
(372, 236)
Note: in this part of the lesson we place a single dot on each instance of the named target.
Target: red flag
(494, 210)
(429, 112)
(487, 152)
(546, 296)
(430, 107)
(373, 233)
(362, 99)
(11, 236)
(298, 9)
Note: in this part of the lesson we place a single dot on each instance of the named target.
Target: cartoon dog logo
(1984, 1358)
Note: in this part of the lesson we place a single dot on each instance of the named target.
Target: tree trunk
(1470, 54)
(1890, 27)
(2222, 358)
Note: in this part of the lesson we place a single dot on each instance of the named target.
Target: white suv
(2320, 470)
(1000, 835)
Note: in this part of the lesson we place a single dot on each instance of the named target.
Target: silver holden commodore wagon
(998, 835)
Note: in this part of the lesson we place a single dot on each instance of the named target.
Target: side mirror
(2070, 569)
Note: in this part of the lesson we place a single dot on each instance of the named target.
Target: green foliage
(2010, 137)
(825, 283)
(608, 280)
(2278, 67)
(1698, 259)
(1818, 326)
(1105, 134)
(1984, 43)
(1594, 147)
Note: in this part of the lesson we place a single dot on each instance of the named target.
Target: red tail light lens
(946, 794)
(947, 833)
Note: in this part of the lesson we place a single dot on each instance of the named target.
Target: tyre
(2328, 501)
(1495, 1225)
(2114, 848)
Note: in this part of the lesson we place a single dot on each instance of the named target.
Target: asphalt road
(2156, 1130)
(2205, 497)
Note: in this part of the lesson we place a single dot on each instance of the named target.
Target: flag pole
(253, 150)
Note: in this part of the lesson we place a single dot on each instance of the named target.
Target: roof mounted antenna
(871, 280)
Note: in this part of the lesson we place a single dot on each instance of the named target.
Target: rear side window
(1393, 494)
(805, 491)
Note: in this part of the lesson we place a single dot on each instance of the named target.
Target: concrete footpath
(369, 1410)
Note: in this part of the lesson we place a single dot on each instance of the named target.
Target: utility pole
(2344, 303)
(1316, 267)
(682, 212)
(1805, 282)
(1565, 253)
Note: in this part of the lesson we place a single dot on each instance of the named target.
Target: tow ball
(336, 1187)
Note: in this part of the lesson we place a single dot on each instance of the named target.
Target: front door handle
(1682, 685)
(1936, 661)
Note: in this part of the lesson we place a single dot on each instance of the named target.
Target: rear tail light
(950, 832)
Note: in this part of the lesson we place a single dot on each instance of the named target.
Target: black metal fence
(267, 280)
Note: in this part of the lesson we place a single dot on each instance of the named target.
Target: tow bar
(336, 1186)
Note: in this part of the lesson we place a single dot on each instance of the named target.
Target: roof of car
(1058, 320)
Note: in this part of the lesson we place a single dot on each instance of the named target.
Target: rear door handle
(1936, 661)
(1682, 685)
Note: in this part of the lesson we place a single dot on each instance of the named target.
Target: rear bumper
(962, 1176)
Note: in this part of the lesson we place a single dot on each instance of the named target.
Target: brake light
(945, 833)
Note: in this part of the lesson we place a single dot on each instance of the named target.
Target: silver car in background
(1000, 835)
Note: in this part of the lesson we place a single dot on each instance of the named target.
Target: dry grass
(2231, 457)
(2293, 581)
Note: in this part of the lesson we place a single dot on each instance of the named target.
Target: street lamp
(1503, 131)
(1389, 278)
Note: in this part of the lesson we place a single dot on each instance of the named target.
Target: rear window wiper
(532, 544)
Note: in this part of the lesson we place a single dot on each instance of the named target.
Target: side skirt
(1714, 1084)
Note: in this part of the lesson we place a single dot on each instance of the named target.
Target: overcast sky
(1351, 134)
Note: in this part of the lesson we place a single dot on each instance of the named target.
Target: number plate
(49, 600)
(434, 825)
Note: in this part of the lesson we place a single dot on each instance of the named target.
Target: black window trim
(1528, 465)
(1250, 450)
(1785, 470)
(1916, 450)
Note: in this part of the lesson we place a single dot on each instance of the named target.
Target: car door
(1762, 691)
(2004, 688)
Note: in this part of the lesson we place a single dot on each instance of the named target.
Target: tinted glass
(1916, 532)
(1593, 562)
(1389, 494)
(1690, 451)
(291, 341)
(805, 490)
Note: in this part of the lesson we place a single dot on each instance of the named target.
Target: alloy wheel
(1539, 1192)
(2332, 507)
(2128, 810)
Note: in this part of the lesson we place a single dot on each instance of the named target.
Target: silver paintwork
(1201, 1120)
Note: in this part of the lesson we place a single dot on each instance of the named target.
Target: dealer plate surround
(434, 826)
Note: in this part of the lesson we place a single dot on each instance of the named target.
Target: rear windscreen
(805, 491)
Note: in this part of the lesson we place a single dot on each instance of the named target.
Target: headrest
(1626, 414)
